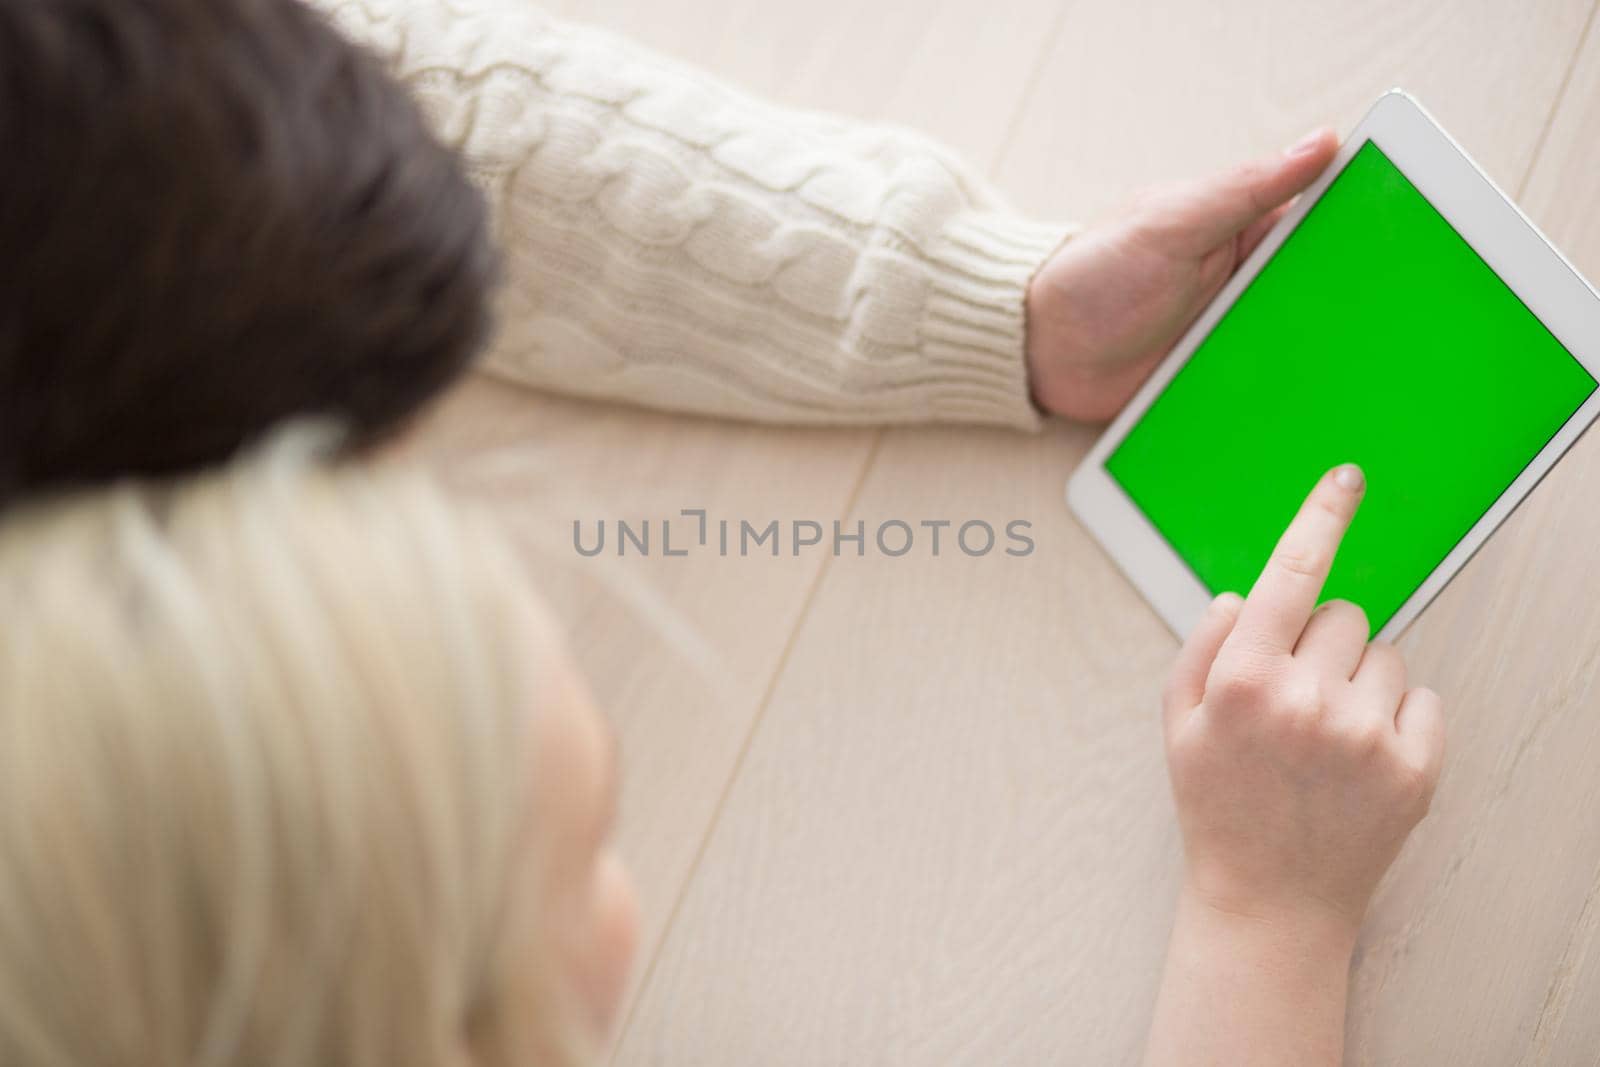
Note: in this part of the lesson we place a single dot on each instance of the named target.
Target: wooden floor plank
(954, 68)
(951, 840)
(679, 651)
(1564, 201)
(1151, 91)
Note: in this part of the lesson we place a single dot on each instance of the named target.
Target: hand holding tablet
(1403, 315)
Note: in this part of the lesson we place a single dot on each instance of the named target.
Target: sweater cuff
(974, 327)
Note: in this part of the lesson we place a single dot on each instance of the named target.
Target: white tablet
(1403, 315)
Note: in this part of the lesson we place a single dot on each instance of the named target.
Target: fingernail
(1305, 144)
(1349, 477)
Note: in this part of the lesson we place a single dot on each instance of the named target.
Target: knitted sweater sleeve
(673, 242)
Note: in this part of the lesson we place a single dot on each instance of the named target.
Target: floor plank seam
(1030, 86)
(1556, 103)
(1558, 997)
(778, 669)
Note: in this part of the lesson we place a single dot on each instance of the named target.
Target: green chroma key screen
(1374, 335)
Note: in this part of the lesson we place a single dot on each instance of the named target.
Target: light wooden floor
(913, 811)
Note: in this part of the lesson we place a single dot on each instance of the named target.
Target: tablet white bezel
(1505, 239)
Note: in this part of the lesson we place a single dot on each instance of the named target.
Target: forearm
(1243, 991)
(674, 242)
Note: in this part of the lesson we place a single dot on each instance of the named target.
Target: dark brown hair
(215, 214)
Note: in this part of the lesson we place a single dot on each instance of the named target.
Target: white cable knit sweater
(673, 242)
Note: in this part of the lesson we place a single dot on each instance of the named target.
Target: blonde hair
(265, 775)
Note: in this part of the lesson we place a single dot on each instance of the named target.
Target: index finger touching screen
(1286, 593)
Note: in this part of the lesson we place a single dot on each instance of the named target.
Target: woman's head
(214, 215)
(293, 770)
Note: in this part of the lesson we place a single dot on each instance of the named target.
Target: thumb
(1420, 724)
(1186, 685)
(1217, 209)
